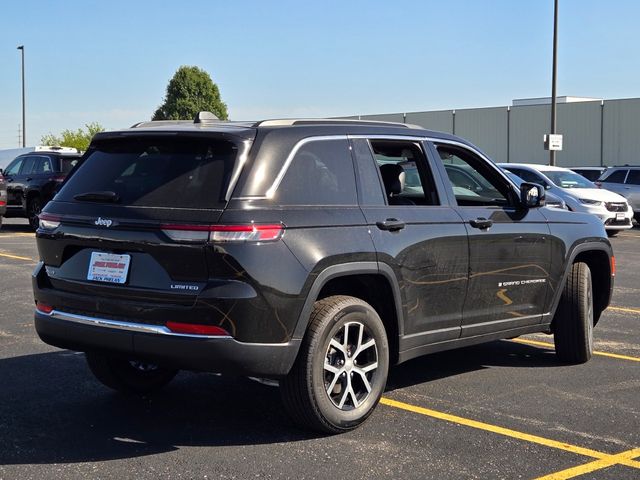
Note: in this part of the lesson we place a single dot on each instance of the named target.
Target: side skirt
(405, 355)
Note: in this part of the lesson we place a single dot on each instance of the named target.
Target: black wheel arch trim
(577, 250)
(343, 270)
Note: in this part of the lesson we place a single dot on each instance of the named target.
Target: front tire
(573, 321)
(128, 376)
(341, 369)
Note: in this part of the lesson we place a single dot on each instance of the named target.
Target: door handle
(29, 179)
(481, 223)
(9, 180)
(391, 225)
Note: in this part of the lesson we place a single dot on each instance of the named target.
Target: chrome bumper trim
(121, 325)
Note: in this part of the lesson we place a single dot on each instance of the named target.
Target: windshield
(154, 171)
(568, 179)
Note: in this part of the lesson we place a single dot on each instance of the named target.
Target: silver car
(624, 181)
(579, 194)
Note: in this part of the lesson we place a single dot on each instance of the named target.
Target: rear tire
(341, 369)
(34, 207)
(573, 321)
(128, 376)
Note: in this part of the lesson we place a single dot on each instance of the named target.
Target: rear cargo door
(133, 221)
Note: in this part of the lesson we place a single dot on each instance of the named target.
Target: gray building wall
(440, 121)
(595, 133)
(621, 132)
(486, 128)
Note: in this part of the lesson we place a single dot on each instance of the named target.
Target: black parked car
(33, 179)
(291, 250)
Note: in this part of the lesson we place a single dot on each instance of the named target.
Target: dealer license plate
(108, 267)
(620, 216)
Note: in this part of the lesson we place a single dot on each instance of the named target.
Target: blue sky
(110, 61)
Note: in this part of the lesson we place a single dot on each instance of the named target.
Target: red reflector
(41, 307)
(613, 266)
(196, 329)
(2, 203)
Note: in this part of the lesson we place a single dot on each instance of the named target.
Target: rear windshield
(184, 172)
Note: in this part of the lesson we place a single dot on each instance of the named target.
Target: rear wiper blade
(104, 196)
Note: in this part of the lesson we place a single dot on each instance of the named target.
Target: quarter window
(321, 173)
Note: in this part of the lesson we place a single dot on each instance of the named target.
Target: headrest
(393, 178)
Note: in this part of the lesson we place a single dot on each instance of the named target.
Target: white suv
(580, 194)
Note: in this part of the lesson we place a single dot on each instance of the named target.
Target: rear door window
(42, 165)
(320, 173)
(634, 177)
(616, 177)
(184, 172)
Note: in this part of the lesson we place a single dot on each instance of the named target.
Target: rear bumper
(156, 344)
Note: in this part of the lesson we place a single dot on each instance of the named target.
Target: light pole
(552, 152)
(24, 127)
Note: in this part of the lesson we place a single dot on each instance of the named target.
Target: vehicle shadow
(501, 353)
(53, 411)
(11, 225)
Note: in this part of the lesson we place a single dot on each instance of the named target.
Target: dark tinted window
(369, 185)
(42, 165)
(616, 177)
(27, 165)
(321, 173)
(14, 167)
(634, 177)
(67, 163)
(529, 176)
(159, 172)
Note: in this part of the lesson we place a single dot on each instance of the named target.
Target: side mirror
(1, 171)
(532, 195)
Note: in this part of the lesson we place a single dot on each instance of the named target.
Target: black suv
(33, 179)
(294, 250)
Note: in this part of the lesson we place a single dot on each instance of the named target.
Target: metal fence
(595, 133)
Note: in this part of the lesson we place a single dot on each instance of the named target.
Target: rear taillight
(44, 308)
(252, 232)
(48, 221)
(59, 178)
(197, 329)
(2, 203)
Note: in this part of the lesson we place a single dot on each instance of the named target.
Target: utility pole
(24, 125)
(552, 152)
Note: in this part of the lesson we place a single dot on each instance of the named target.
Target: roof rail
(329, 121)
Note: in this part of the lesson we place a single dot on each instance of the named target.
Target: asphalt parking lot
(506, 409)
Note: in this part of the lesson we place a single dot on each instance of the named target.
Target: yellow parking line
(11, 235)
(16, 257)
(550, 345)
(592, 466)
(547, 442)
(624, 309)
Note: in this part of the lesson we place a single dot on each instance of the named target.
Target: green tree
(190, 91)
(79, 138)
